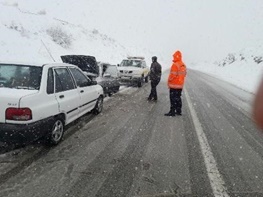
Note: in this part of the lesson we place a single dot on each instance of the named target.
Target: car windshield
(20, 76)
(133, 63)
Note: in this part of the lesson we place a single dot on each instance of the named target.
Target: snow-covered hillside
(40, 31)
(37, 36)
(243, 69)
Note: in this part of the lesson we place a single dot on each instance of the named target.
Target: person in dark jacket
(155, 77)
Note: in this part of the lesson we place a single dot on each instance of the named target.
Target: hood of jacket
(177, 56)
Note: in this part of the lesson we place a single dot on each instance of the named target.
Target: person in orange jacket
(258, 107)
(176, 83)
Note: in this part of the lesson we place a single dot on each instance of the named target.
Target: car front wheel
(99, 106)
(116, 89)
(140, 81)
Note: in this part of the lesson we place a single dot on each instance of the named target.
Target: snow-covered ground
(31, 34)
(243, 69)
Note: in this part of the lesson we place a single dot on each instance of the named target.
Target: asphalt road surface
(132, 149)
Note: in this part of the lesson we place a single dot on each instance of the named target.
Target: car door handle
(61, 96)
(81, 91)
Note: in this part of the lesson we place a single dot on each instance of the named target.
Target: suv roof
(135, 58)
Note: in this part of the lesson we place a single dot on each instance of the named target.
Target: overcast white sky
(201, 29)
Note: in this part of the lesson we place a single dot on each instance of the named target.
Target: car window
(134, 63)
(64, 80)
(79, 77)
(20, 76)
(50, 81)
(112, 70)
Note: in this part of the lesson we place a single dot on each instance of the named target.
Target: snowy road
(131, 149)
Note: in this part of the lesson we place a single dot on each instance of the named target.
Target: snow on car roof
(135, 58)
(37, 64)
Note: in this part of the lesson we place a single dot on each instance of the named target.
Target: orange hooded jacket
(177, 73)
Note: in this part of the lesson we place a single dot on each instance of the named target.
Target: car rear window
(20, 76)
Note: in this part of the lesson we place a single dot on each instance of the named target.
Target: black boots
(170, 113)
(151, 99)
(178, 113)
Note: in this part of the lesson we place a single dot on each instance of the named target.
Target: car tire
(116, 89)
(146, 79)
(56, 131)
(99, 106)
(139, 82)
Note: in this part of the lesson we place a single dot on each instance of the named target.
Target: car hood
(84, 62)
(130, 68)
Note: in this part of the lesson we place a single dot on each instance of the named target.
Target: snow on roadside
(243, 69)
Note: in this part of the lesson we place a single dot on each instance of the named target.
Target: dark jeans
(153, 94)
(176, 101)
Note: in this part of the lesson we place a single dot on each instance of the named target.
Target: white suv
(39, 100)
(134, 70)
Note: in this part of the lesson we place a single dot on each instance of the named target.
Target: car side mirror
(118, 65)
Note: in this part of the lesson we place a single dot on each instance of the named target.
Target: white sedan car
(39, 100)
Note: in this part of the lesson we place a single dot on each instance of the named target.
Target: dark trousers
(153, 94)
(176, 101)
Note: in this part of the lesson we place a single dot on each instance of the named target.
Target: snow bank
(243, 69)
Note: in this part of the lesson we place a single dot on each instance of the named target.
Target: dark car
(87, 64)
(105, 74)
(108, 78)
